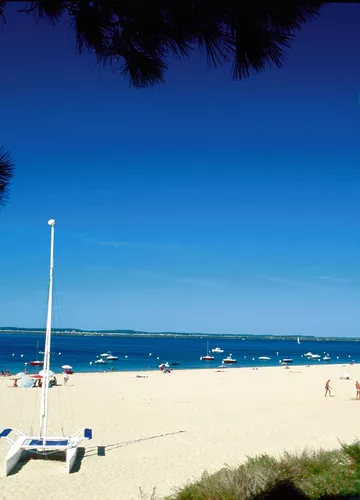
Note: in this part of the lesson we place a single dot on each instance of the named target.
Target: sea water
(147, 353)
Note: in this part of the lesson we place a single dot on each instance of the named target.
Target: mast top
(51, 222)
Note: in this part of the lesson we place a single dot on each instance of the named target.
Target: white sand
(165, 430)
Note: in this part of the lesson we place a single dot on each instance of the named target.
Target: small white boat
(100, 361)
(326, 358)
(112, 358)
(298, 340)
(287, 360)
(315, 356)
(217, 349)
(105, 354)
(264, 358)
(229, 360)
(308, 354)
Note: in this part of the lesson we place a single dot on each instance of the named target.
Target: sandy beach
(164, 430)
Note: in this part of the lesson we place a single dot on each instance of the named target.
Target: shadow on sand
(102, 450)
(56, 457)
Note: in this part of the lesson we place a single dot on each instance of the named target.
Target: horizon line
(143, 332)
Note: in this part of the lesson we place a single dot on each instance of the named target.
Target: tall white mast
(46, 368)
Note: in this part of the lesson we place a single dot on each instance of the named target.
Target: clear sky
(201, 205)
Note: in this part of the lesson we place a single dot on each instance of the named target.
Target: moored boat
(100, 361)
(207, 357)
(229, 360)
(37, 362)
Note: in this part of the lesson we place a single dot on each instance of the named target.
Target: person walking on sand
(66, 378)
(327, 388)
(357, 385)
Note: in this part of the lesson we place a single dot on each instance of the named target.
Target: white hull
(13, 456)
(71, 458)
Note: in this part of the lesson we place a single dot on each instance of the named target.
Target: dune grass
(307, 475)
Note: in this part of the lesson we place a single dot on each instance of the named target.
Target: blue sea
(146, 353)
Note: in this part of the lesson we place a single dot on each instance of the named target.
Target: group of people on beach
(38, 382)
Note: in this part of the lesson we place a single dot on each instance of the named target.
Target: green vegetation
(136, 333)
(307, 475)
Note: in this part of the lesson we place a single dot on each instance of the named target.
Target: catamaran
(43, 444)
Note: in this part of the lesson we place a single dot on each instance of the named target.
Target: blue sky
(201, 205)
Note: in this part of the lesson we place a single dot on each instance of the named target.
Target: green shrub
(307, 475)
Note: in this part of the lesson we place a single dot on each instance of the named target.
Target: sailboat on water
(43, 444)
(208, 356)
(37, 362)
(298, 340)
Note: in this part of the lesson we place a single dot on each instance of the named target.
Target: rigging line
(60, 412)
(34, 412)
(21, 410)
(56, 315)
(57, 308)
(71, 408)
(44, 311)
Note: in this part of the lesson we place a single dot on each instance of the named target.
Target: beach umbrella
(36, 376)
(42, 373)
(19, 375)
(26, 382)
(66, 367)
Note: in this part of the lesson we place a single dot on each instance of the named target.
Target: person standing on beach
(357, 385)
(66, 378)
(327, 388)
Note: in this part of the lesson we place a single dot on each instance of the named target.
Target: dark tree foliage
(137, 37)
(6, 172)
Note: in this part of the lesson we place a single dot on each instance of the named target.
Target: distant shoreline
(134, 333)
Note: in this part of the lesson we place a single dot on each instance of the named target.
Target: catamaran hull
(70, 458)
(13, 456)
